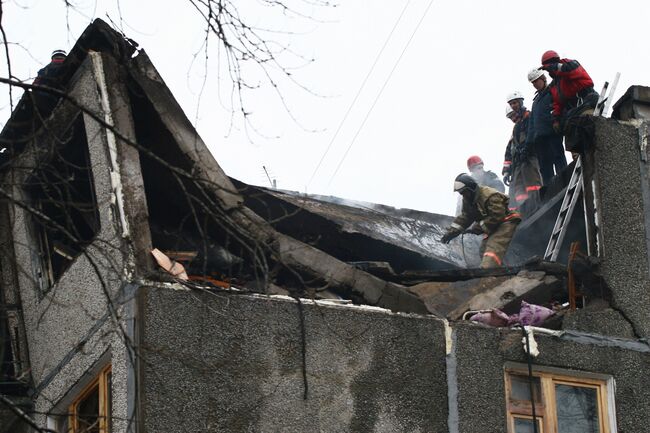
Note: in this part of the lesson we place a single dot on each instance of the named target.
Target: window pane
(520, 388)
(525, 425)
(88, 412)
(577, 409)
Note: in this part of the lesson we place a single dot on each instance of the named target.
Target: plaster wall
(625, 216)
(482, 352)
(71, 329)
(220, 362)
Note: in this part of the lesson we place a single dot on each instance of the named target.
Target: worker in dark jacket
(486, 210)
(572, 88)
(49, 76)
(526, 179)
(541, 136)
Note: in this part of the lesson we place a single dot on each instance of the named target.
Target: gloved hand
(557, 127)
(475, 229)
(550, 67)
(449, 235)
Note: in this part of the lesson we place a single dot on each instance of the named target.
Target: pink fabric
(529, 315)
(494, 318)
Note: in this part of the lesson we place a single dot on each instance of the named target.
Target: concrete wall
(233, 363)
(482, 352)
(625, 211)
(71, 329)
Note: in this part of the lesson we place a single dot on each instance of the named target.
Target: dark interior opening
(61, 188)
(185, 221)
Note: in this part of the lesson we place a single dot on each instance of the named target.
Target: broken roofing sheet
(355, 231)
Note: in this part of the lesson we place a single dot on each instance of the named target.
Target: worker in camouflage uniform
(477, 170)
(487, 209)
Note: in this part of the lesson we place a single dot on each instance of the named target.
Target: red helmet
(473, 160)
(549, 55)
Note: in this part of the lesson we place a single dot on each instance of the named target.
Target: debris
(207, 279)
(528, 340)
(529, 315)
(174, 268)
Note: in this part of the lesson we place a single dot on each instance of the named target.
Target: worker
(526, 179)
(485, 211)
(476, 169)
(506, 172)
(541, 135)
(50, 74)
(572, 90)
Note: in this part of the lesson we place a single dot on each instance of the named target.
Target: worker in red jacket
(572, 88)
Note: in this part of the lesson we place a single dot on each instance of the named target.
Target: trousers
(495, 245)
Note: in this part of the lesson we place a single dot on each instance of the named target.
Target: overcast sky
(444, 101)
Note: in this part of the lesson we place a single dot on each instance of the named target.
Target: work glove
(475, 229)
(550, 67)
(449, 235)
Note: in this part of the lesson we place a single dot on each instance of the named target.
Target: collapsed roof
(262, 239)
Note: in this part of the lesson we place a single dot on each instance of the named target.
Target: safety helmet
(548, 56)
(464, 182)
(59, 53)
(514, 95)
(535, 74)
(473, 161)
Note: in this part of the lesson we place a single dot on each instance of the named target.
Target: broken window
(563, 403)
(90, 412)
(62, 192)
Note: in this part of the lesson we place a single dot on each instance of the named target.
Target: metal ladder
(576, 186)
(566, 210)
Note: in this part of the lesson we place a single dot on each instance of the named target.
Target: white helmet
(515, 95)
(535, 74)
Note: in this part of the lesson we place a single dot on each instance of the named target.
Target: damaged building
(143, 290)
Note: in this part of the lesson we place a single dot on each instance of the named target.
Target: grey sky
(444, 102)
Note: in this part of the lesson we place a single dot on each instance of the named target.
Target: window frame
(104, 405)
(41, 234)
(546, 409)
